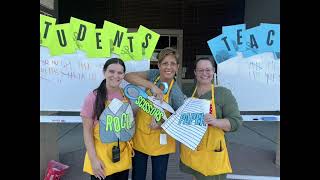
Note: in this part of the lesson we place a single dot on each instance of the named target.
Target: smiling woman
(150, 139)
(97, 125)
(114, 74)
(224, 116)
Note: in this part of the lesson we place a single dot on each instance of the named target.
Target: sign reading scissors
(149, 104)
(148, 107)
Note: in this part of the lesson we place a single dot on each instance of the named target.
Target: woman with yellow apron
(210, 161)
(103, 160)
(150, 139)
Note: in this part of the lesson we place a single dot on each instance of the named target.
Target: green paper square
(149, 40)
(115, 35)
(133, 50)
(46, 28)
(67, 45)
(99, 49)
(86, 30)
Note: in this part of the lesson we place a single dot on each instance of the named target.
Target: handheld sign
(148, 103)
(116, 122)
(187, 124)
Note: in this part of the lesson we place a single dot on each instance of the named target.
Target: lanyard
(170, 86)
(212, 104)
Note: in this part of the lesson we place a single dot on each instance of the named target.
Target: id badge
(163, 139)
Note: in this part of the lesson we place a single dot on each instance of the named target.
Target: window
(164, 41)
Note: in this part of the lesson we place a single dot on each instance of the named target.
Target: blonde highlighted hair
(167, 51)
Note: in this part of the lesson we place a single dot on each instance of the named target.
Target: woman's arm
(141, 79)
(97, 165)
(230, 112)
(223, 124)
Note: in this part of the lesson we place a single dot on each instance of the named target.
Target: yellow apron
(211, 156)
(147, 140)
(104, 153)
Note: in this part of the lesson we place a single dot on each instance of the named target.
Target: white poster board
(67, 79)
(254, 81)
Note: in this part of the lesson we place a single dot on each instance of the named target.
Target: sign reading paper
(149, 40)
(131, 48)
(61, 42)
(100, 46)
(82, 32)
(221, 48)
(46, 28)
(187, 124)
(115, 34)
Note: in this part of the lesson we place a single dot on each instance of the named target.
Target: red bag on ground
(55, 170)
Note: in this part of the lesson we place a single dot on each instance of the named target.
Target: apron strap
(212, 104)
(130, 146)
(169, 89)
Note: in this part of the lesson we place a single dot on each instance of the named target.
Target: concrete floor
(252, 151)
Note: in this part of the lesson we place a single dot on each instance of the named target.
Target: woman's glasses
(204, 70)
(166, 64)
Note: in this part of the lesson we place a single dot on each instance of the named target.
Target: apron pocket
(215, 141)
(218, 164)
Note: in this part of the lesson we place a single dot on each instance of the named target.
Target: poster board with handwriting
(66, 80)
(254, 81)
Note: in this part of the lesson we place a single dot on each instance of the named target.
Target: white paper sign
(190, 130)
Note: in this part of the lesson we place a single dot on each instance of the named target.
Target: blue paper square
(254, 41)
(236, 34)
(271, 37)
(221, 48)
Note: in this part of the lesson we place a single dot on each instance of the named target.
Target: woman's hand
(96, 164)
(223, 124)
(157, 92)
(208, 119)
(154, 125)
(98, 168)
